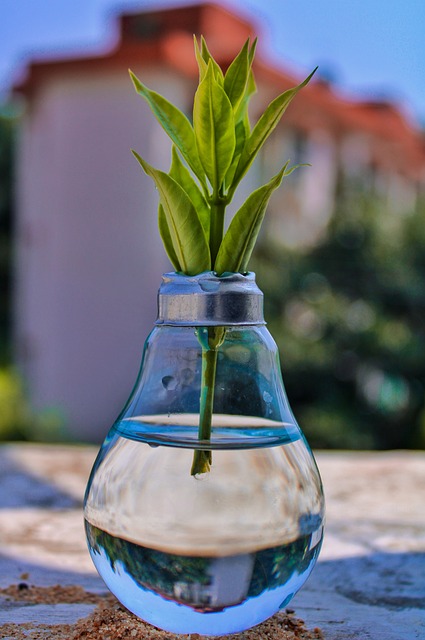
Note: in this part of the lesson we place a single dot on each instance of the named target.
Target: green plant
(209, 159)
(20, 421)
(15, 414)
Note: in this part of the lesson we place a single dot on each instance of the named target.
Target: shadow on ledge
(395, 581)
(20, 488)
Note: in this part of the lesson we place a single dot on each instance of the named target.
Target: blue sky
(372, 48)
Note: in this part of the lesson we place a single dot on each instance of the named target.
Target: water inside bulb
(212, 554)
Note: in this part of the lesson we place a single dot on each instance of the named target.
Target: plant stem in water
(211, 339)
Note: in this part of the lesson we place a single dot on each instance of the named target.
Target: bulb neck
(203, 300)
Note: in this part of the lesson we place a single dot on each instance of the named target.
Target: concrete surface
(369, 583)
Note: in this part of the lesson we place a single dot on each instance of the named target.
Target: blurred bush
(15, 415)
(349, 319)
(18, 421)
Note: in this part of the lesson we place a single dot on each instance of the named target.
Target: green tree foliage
(349, 319)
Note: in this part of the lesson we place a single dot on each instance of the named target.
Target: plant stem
(202, 459)
(211, 339)
(218, 208)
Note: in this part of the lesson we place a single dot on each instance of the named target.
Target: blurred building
(89, 257)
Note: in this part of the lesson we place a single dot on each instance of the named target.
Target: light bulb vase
(204, 510)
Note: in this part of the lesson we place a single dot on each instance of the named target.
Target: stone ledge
(368, 584)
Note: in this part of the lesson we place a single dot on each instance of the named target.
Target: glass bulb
(217, 552)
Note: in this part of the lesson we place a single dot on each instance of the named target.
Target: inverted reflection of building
(207, 583)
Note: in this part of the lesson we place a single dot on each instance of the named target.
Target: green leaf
(251, 88)
(202, 65)
(238, 243)
(242, 131)
(164, 232)
(218, 73)
(265, 125)
(187, 235)
(214, 127)
(251, 52)
(180, 173)
(236, 77)
(175, 124)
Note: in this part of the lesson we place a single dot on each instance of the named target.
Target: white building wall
(89, 257)
(300, 209)
(317, 186)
